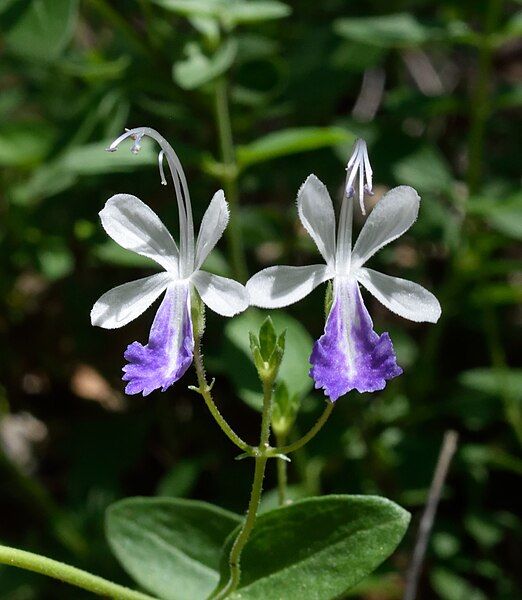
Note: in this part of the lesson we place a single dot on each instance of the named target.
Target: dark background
(436, 99)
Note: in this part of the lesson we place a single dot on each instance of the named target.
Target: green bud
(267, 350)
(267, 339)
(285, 409)
(197, 313)
(328, 299)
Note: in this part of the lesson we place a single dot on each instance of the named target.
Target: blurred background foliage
(434, 87)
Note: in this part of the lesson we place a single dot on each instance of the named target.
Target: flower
(134, 226)
(350, 354)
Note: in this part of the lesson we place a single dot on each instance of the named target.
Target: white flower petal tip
(281, 286)
(124, 303)
(224, 296)
(316, 212)
(136, 227)
(212, 227)
(405, 298)
(394, 214)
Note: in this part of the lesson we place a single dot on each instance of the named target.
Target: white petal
(224, 296)
(391, 217)
(212, 227)
(135, 226)
(317, 216)
(124, 303)
(280, 286)
(404, 298)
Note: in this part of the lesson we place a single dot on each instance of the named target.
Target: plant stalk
(310, 434)
(66, 573)
(234, 560)
(282, 477)
(481, 101)
(230, 181)
(205, 390)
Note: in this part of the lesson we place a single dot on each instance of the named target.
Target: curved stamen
(160, 164)
(186, 224)
(359, 168)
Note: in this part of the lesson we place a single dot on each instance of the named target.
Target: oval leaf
(171, 547)
(291, 141)
(317, 548)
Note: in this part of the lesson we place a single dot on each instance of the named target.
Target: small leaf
(505, 216)
(169, 546)
(43, 30)
(426, 170)
(192, 8)
(24, 143)
(267, 338)
(387, 31)
(253, 12)
(199, 69)
(291, 141)
(495, 382)
(316, 548)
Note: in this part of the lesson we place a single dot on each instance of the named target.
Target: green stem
(229, 181)
(481, 101)
(72, 575)
(307, 436)
(205, 390)
(234, 560)
(282, 478)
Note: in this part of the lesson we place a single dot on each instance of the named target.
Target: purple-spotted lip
(169, 351)
(350, 354)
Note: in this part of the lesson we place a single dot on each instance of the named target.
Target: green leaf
(170, 546)
(239, 365)
(22, 144)
(253, 12)
(192, 8)
(426, 170)
(291, 141)
(43, 30)
(229, 12)
(317, 547)
(90, 159)
(450, 586)
(387, 31)
(199, 69)
(495, 382)
(505, 216)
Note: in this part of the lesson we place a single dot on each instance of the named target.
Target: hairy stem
(310, 434)
(282, 478)
(234, 560)
(229, 181)
(72, 575)
(205, 390)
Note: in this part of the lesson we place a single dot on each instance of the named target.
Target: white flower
(134, 226)
(350, 355)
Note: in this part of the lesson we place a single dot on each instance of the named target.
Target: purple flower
(134, 226)
(350, 354)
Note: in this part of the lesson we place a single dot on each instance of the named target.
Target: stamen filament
(186, 225)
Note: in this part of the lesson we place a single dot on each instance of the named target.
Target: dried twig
(448, 448)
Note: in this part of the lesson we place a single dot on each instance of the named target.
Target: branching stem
(205, 391)
(72, 575)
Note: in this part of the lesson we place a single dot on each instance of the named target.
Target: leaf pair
(314, 549)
